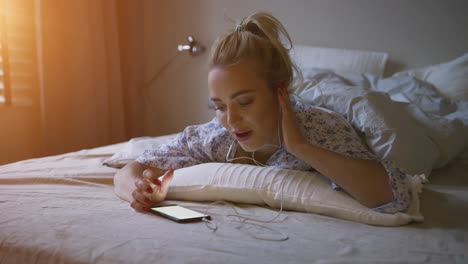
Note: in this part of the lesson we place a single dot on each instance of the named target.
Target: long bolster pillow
(299, 191)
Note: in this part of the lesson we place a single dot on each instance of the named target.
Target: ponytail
(262, 38)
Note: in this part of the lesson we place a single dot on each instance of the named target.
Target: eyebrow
(235, 94)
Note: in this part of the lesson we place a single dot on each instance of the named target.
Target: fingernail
(157, 182)
(147, 200)
(149, 189)
(147, 173)
(145, 208)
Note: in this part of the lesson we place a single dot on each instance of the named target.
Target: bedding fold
(400, 118)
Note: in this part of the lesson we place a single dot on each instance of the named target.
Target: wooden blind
(18, 72)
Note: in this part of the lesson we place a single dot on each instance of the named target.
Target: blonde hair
(258, 37)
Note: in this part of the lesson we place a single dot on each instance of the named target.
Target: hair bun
(266, 41)
(239, 27)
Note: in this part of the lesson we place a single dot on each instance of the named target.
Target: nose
(233, 117)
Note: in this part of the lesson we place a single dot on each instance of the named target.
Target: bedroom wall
(414, 33)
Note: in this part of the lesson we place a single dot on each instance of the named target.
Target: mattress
(62, 209)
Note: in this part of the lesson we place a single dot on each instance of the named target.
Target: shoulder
(330, 130)
(194, 145)
(205, 134)
(311, 115)
(202, 130)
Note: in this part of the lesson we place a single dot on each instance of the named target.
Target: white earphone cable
(258, 163)
(243, 219)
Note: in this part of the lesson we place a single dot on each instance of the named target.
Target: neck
(265, 152)
(262, 155)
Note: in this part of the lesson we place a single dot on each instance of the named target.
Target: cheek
(222, 119)
(267, 121)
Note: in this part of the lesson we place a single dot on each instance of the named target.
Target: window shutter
(18, 72)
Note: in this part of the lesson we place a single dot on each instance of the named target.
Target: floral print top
(210, 142)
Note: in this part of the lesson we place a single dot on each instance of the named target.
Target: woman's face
(245, 105)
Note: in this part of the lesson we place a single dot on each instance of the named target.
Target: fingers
(151, 176)
(141, 198)
(167, 178)
(143, 186)
(140, 201)
(139, 206)
(142, 194)
(160, 192)
(147, 194)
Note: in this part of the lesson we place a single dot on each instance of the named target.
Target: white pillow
(340, 60)
(300, 191)
(450, 78)
(134, 148)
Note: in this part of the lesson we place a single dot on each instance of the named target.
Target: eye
(245, 101)
(220, 108)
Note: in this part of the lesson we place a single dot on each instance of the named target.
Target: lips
(242, 135)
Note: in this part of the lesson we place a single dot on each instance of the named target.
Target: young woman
(258, 123)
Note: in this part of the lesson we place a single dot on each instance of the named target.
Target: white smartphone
(178, 213)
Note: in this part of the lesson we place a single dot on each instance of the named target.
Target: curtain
(131, 34)
(81, 93)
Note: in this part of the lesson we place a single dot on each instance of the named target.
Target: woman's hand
(365, 180)
(150, 190)
(292, 135)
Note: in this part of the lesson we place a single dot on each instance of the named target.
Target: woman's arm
(132, 184)
(191, 147)
(365, 180)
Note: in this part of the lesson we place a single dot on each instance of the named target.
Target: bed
(62, 209)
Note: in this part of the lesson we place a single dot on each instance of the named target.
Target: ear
(282, 84)
(280, 87)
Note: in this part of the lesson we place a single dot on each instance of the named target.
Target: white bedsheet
(62, 209)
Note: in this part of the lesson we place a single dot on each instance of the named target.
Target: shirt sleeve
(401, 189)
(195, 145)
(330, 130)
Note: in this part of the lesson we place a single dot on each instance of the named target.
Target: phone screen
(178, 213)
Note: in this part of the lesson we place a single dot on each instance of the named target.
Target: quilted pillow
(299, 191)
